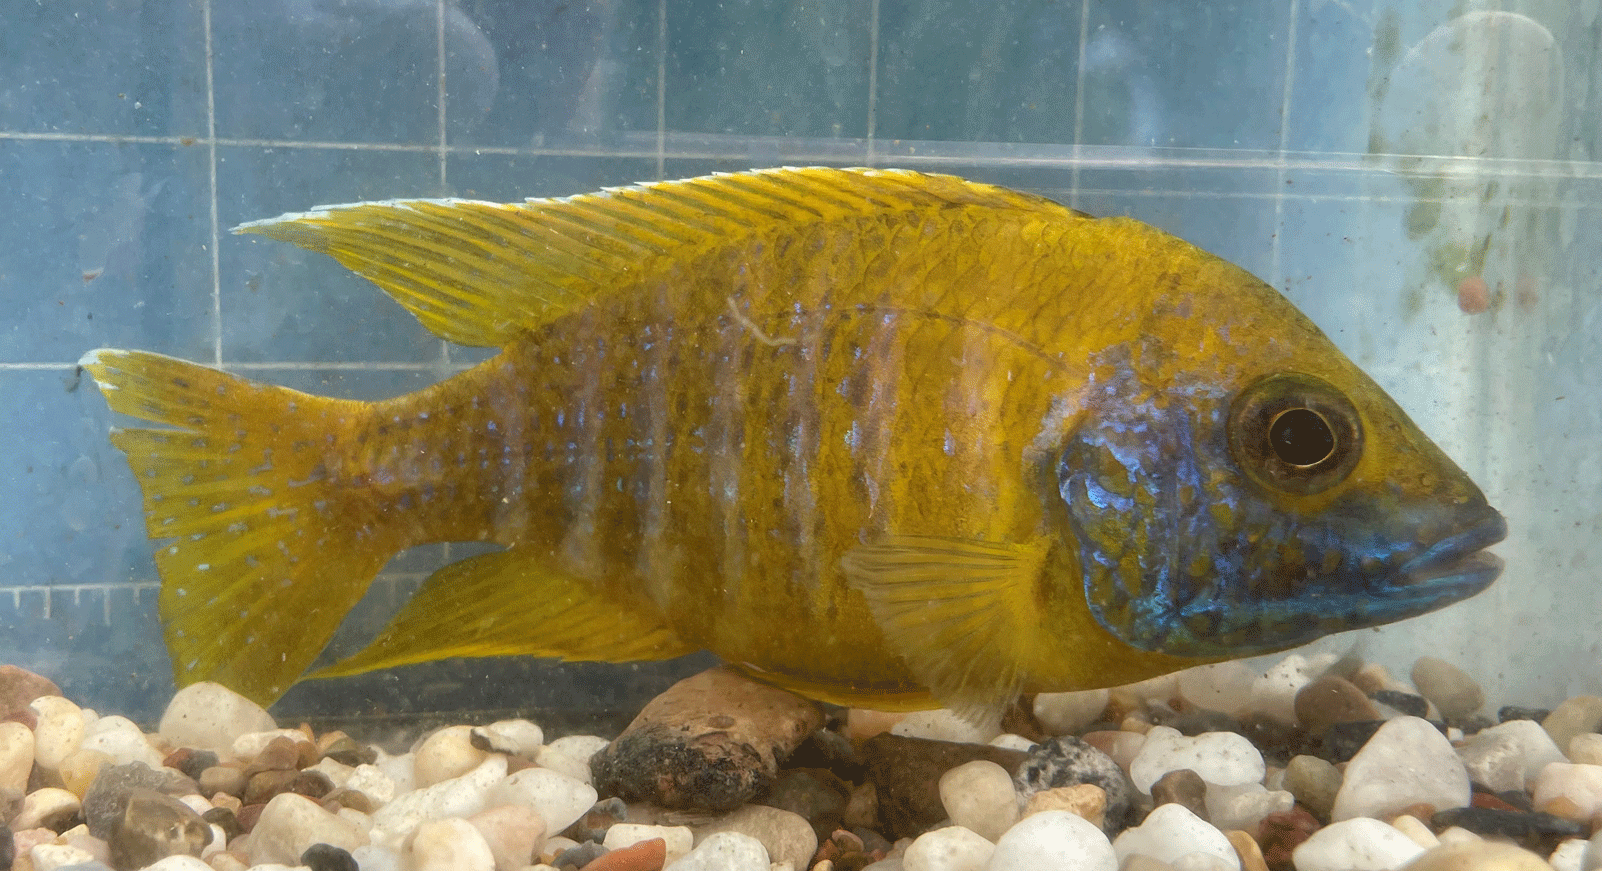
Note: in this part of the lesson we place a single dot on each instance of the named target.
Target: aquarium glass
(1421, 178)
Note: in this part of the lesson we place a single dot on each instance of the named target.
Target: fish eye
(1295, 433)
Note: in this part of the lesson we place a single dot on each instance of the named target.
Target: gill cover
(1180, 501)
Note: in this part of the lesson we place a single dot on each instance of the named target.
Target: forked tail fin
(263, 554)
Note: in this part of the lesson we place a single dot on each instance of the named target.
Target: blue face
(1177, 501)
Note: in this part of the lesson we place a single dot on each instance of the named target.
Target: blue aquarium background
(1374, 159)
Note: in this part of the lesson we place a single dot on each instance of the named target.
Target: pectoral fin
(508, 604)
(958, 611)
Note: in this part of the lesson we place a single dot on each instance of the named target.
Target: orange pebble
(645, 856)
(1473, 295)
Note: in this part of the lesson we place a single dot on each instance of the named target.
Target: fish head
(1249, 504)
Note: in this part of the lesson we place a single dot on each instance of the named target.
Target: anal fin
(509, 604)
(959, 612)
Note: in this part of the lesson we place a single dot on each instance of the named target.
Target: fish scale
(879, 437)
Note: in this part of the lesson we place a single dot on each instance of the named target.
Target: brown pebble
(710, 742)
(1281, 833)
(906, 773)
(223, 778)
(1331, 700)
(306, 754)
(1084, 800)
(267, 784)
(862, 809)
(1423, 810)
(312, 784)
(1489, 800)
(1251, 855)
(1019, 719)
(280, 754)
(354, 799)
(18, 687)
(26, 717)
(645, 856)
(248, 815)
(1183, 787)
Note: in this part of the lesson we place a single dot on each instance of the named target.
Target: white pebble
(724, 851)
(1053, 841)
(1170, 832)
(1406, 762)
(1243, 807)
(42, 804)
(979, 796)
(447, 753)
(1274, 694)
(1065, 713)
(952, 848)
(458, 797)
(1453, 692)
(1507, 756)
(1415, 830)
(1355, 843)
(49, 857)
(290, 823)
(450, 844)
(375, 858)
(557, 798)
(120, 739)
(580, 747)
(398, 769)
(1009, 741)
(209, 716)
(219, 842)
(1581, 784)
(58, 732)
(1203, 862)
(1585, 748)
(513, 833)
(1160, 688)
(556, 760)
(677, 839)
(1222, 758)
(338, 773)
(16, 757)
(512, 737)
(1569, 856)
(943, 725)
(1223, 686)
(371, 781)
(248, 746)
(180, 862)
(1457, 835)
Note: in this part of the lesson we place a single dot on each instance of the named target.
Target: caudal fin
(262, 555)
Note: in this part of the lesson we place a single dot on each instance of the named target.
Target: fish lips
(1454, 568)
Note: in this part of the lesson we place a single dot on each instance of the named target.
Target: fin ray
(504, 604)
(957, 611)
(481, 273)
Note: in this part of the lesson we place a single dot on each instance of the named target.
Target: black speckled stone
(327, 857)
(1068, 761)
(1518, 712)
(196, 761)
(1407, 703)
(578, 857)
(1533, 831)
(107, 796)
(8, 848)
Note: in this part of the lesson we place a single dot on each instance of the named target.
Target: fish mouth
(1456, 566)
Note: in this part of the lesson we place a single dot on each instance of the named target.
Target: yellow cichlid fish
(883, 438)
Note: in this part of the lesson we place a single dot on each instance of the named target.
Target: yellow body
(722, 409)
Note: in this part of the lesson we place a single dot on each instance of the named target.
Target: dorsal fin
(480, 273)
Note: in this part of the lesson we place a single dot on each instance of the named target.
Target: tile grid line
(873, 81)
(661, 89)
(211, 172)
(1079, 104)
(1275, 277)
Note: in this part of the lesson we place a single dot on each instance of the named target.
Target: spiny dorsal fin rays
(481, 273)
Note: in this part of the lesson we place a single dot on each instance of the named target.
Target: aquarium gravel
(1317, 763)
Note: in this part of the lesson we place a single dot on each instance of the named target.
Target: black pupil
(1300, 437)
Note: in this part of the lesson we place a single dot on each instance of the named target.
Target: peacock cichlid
(883, 438)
